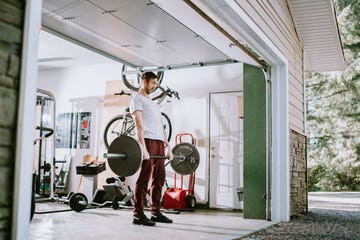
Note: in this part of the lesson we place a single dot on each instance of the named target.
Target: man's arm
(138, 119)
(167, 145)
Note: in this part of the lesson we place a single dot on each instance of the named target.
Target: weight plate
(128, 146)
(78, 202)
(186, 158)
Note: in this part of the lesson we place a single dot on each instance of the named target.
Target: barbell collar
(115, 155)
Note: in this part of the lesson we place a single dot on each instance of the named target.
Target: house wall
(298, 177)
(274, 19)
(11, 25)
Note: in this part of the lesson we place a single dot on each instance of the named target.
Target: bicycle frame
(128, 123)
(127, 127)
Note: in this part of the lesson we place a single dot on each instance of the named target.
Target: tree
(333, 112)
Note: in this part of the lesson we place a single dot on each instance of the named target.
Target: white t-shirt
(152, 122)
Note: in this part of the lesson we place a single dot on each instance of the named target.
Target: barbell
(125, 157)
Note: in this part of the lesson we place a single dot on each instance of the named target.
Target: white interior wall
(79, 89)
(189, 114)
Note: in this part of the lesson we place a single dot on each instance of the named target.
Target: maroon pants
(155, 169)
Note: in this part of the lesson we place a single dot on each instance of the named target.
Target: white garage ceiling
(168, 34)
(135, 32)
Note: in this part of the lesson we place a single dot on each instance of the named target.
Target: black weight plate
(128, 146)
(191, 161)
(78, 202)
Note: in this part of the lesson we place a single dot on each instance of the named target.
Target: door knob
(212, 155)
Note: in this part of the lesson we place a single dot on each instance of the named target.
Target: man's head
(149, 81)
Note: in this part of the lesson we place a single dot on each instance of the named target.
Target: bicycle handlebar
(169, 92)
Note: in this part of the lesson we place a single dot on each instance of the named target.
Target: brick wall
(298, 177)
(11, 27)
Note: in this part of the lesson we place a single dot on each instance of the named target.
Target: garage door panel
(147, 18)
(57, 6)
(136, 32)
(92, 18)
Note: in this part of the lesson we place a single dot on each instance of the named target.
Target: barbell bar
(124, 157)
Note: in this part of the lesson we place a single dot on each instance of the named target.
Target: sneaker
(141, 219)
(158, 217)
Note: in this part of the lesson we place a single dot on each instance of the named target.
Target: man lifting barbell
(126, 156)
(153, 141)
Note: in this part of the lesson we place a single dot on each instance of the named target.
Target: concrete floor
(106, 223)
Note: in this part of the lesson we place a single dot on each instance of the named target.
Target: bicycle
(123, 124)
(136, 76)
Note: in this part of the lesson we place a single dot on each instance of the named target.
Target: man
(153, 141)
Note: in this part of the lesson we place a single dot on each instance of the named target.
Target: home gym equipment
(178, 197)
(89, 172)
(121, 195)
(125, 157)
(44, 162)
(44, 144)
(36, 198)
(116, 194)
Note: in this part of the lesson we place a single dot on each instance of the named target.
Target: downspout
(304, 90)
(305, 128)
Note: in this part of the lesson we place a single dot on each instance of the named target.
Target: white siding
(274, 18)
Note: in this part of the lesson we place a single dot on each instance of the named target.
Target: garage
(234, 93)
(209, 107)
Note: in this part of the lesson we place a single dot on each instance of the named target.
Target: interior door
(226, 154)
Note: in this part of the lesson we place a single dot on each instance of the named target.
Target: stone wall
(298, 176)
(11, 27)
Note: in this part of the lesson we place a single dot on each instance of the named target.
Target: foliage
(316, 174)
(333, 112)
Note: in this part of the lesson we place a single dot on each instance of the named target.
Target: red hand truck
(179, 198)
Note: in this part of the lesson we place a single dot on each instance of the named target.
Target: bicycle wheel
(118, 126)
(133, 80)
(167, 125)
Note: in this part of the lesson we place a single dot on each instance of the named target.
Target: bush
(346, 180)
(315, 176)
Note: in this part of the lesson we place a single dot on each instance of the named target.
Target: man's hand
(145, 153)
(169, 150)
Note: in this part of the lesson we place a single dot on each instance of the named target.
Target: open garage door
(255, 143)
(141, 33)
